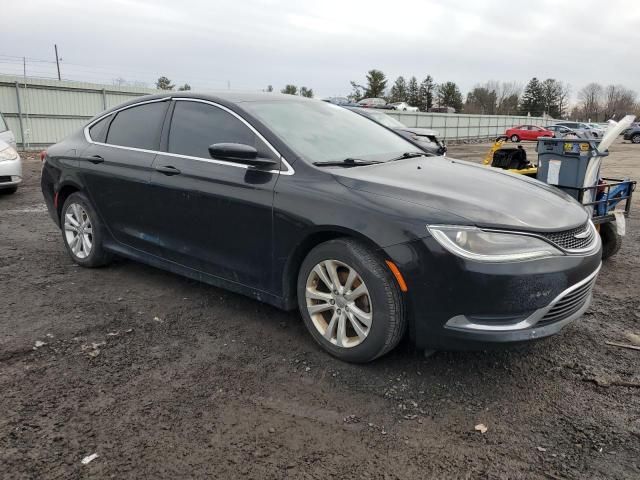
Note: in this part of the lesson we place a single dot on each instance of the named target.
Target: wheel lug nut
(338, 312)
(332, 302)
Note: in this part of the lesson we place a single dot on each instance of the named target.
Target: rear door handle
(96, 159)
(168, 170)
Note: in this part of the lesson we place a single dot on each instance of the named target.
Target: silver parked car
(10, 168)
(6, 134)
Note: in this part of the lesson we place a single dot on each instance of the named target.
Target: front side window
(3, 124)
(319, 131)
(196, 125)
(138, 127)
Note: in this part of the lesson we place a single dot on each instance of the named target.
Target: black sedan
(633, 133)
(303, 204)
(425, 138)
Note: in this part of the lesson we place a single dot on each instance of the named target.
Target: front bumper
(458, 304)
(10, 173)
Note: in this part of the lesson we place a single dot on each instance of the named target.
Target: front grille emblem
(582, 235)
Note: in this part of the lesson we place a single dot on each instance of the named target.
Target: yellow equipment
(498, 161)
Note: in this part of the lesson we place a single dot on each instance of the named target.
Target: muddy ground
(163, 377)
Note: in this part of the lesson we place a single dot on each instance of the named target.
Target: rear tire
(635, 138)
(611, 240)
(338, 315)
(515, 138)
(82, 232)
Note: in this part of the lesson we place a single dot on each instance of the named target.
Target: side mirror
(239, 153)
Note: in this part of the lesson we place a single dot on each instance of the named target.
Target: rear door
(116, 169)
(214, 216)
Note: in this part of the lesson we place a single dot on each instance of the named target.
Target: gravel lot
(163, 377)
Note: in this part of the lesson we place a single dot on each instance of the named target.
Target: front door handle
(96, 159)
(168, 170)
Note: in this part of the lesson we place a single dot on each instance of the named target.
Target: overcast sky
(324, 44)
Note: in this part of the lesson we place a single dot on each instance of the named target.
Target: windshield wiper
(347, 162)
(410, 155)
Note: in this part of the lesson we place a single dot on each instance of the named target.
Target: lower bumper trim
(566, 307)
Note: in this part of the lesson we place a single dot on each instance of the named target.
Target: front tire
(82, 232)
(350, 301)
(635, 138)
(8, 191)
(611, 240)
(515, 138)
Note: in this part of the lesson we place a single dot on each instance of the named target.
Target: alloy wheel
(78, 230)
(635, 138)
(339, 303)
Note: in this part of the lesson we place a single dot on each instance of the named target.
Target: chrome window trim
(289, 169)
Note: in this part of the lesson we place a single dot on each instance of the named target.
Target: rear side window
(98, 131)
(195, 126)
(138, 127)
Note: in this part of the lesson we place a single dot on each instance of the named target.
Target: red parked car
(527, 132)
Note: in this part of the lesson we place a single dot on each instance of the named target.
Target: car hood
(485, 196)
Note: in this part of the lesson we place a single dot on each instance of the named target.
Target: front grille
(569, 304)
(5, 178)
(567, 240)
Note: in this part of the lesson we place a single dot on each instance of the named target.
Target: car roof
(223, 97)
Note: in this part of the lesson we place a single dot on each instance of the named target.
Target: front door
(213, 216)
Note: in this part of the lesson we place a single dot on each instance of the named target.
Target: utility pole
(57, 60)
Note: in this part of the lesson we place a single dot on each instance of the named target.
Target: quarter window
(98, 131)
(195, 126)
(138, 127)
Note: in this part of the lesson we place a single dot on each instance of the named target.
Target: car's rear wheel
(515, 138)
(350, 301)
(82, 232)
(635, 138)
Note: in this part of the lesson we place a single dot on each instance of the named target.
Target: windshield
(386, 120)
(321, 132)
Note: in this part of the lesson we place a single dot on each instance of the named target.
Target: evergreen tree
(306, 92)
(289, 90)
(532, 101)
(426, 91)
(413, 92)
(163, 83)
(356, 92)
(398, 92)
(449, 95)
(184, 87)
(376, 84)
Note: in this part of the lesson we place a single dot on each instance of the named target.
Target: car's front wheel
(82, 232)
(350, 301)
(635, 138)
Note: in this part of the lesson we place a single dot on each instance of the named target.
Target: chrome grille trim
(566, 240)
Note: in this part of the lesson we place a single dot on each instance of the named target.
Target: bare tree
(618, 101)
(507, 97)
(564, 95)
(590, 102)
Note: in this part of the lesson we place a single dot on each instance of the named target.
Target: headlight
(8, 153)
(486, 246)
